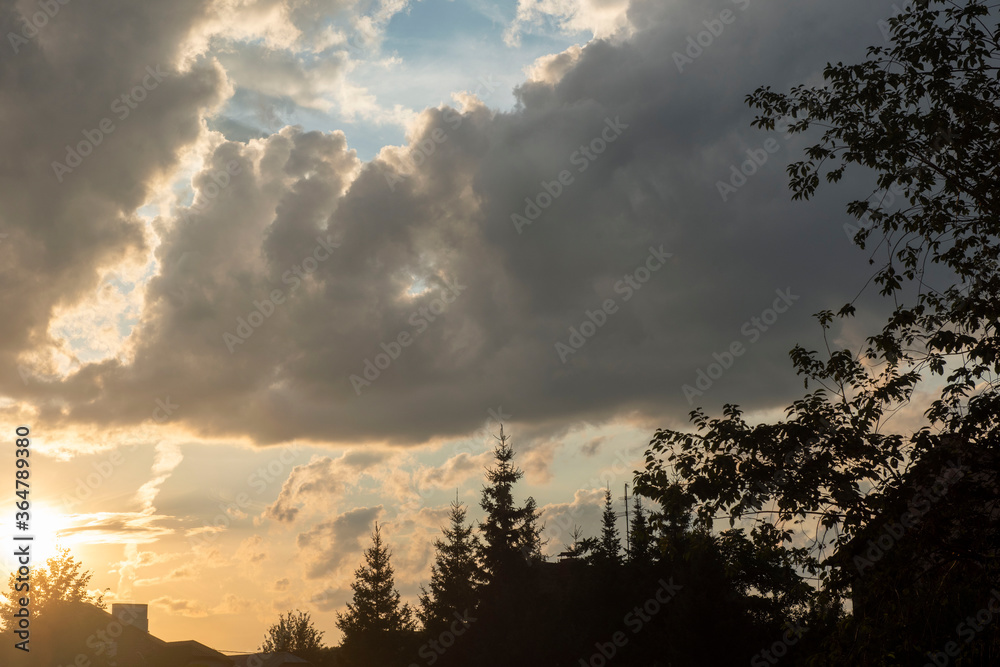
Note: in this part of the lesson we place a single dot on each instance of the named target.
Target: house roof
(132, 645)
(191, 650)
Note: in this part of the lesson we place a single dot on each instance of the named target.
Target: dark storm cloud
(63, 227)
(409, 273)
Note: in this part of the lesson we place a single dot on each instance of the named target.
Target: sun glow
(46, 526)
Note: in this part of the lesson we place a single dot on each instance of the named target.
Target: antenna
(628, 542)
(628, 551)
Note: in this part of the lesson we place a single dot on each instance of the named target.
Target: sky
(273, 271)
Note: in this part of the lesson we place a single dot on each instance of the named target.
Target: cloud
(331, 598)
(204, 530)
(117, 527)
(180, 607)
(426, 241)
(183, 572)
(330, 544)
(593, 446)
(284, 74)
(413, 535)
(454, 472)
(304, 25)
(251, 550)
(126, 570)
(230, 604)
(549, 69)
(322, 478)
(63, 235)
(601, 18)
(166, 458)
(561, 519)
(234, 604)
(300, 55)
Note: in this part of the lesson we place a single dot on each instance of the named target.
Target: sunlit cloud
(168, 457)
(118, 527)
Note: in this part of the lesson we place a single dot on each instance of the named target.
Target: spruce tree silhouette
(509, 554)
(640, 537)
(377, 628)
(607, 554)
(455, 577)
(511, 539)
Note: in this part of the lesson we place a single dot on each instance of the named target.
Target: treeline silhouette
(673, 595)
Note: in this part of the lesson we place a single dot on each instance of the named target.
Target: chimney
(136, 615)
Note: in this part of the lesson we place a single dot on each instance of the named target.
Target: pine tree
(510, 533)
(640, 537)
(455, 577)
(375, 617)
(608, 551)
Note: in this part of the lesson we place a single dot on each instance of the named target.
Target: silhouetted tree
(61, 579)
(923, 114)
(455, 576)
(581, 546)
(510, 533)
(376, 625)
(531, 542)
(510, 557)
(294, 633)
(640, 537)
(607, 554)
